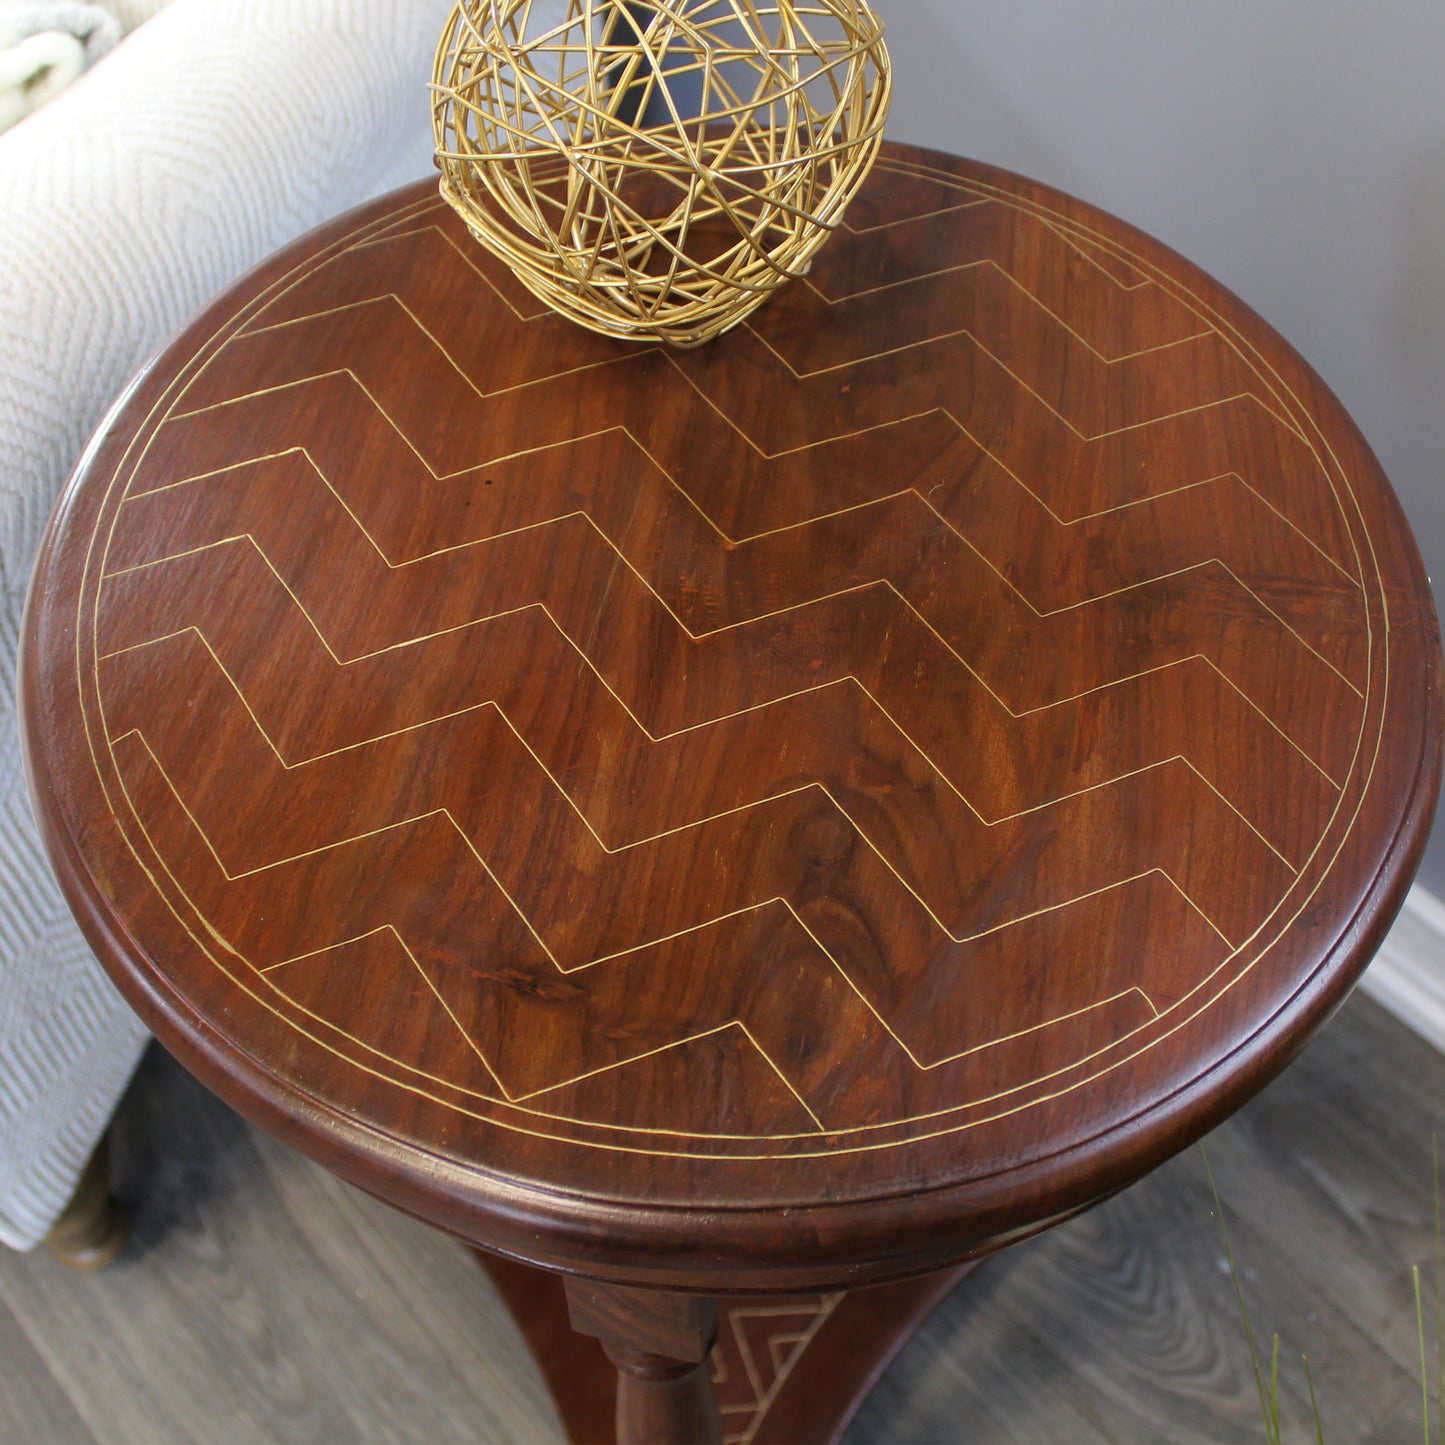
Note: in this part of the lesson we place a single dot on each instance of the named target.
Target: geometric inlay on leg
(786, 1369)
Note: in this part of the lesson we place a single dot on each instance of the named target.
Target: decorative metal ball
(657, 170)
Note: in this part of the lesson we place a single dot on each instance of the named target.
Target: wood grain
(33, 1406)
(787, 815)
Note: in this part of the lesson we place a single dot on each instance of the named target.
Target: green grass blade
(1314, 1404)
(1271, 1428)
(1439, 1299)
(1274, 1385)
(1424, 1368)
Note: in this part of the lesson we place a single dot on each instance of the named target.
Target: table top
(786, 813)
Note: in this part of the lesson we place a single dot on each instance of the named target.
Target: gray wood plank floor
(261, 1300)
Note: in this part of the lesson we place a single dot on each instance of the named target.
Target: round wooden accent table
(792, 815)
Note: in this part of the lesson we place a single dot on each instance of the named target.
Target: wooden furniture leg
(660, 1343)
(787, 1369)
(95, 1225)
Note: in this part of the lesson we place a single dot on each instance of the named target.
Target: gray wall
(1294, 148)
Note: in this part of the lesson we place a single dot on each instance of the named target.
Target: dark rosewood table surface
(790, 813)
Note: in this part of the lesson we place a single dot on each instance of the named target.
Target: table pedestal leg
(664, 1402)
(787, 1370)
(660, 1342)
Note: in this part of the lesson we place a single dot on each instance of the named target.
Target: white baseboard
(1408, 974)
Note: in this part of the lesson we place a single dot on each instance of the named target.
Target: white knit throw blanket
(217, 132)
(46, 44)
(43, 47)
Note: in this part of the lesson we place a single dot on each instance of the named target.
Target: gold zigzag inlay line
(379, 551)
(625, 360)
(623, 558)
(671, 480)
(846, 225)
(254, 331)
(1208, 315)
(977, 442)
(1024, 386)
(518, 1100)
(1247, 351)
(454, 1089)
(612, 849)
(743, 538)
(1180, 1015)
(740, 539)
(983, 264)
(507, 1094)
(680, 732)
(1277, 384)
(249, 539)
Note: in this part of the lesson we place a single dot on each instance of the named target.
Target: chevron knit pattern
(877, 816)
(216, 133)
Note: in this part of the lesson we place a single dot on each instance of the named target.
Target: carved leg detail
(834, 1348)
(660, 1343)
(94, 1227)
(665, 1402)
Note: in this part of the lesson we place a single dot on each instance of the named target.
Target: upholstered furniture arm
(216, 132)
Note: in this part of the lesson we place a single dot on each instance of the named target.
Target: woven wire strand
(656, 170)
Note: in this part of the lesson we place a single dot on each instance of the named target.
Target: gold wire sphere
(656, 170)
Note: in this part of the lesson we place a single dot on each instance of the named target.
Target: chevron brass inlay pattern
(892, 624)
(757, 1346)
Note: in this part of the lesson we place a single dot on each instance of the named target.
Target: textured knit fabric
(218, 131)
(44, 48)
(95, 26)
(131, 13)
